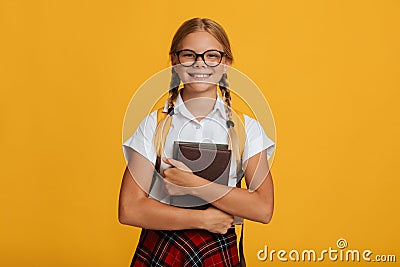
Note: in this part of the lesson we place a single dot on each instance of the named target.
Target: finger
(166, 172)
(174, 163)
(169, 161)
(179, 164)
(169, 183)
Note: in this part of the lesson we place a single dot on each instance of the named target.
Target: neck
(191, 94)
(199, 103)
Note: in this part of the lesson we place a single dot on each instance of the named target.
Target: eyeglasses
(211, 58)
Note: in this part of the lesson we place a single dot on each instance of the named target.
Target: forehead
(200, 42)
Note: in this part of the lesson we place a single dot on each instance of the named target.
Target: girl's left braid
(226, 93)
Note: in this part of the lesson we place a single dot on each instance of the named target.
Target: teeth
(200, 75)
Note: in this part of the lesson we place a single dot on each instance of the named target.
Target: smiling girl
(174, 236)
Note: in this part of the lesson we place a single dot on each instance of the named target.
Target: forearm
(238, 201)
(152, 214)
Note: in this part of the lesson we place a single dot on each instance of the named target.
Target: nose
(199, 61)
(199, 56)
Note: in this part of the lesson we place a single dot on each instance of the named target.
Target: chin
(200, 87)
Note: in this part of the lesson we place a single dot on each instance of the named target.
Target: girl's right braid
(173, 91)
(165, 123)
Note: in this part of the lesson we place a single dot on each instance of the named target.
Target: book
(207, 160)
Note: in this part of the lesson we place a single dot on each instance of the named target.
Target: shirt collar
(180, 107)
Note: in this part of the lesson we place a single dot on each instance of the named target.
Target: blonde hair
(216, 30)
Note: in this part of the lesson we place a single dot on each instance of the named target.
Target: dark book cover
(207, 160)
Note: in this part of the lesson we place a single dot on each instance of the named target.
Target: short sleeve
(256, 139)
(142, 140)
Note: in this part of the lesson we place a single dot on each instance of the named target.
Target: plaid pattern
(186, 248)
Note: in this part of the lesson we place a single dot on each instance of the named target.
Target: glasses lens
(212, 58)
(186, 58)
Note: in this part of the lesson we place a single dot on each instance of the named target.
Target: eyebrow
(203, 50)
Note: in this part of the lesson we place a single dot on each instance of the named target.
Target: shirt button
(198, 127)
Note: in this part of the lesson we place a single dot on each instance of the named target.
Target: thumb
(178, 164)
(169, 161)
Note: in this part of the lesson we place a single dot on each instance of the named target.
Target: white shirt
(185, 127)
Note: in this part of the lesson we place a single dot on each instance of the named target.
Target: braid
(160, 133)
(226, 93)
(173, 91)
(233, 136)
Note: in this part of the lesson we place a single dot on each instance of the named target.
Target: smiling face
(200, 79)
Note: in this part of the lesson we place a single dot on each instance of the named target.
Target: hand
(217, 221)
(180, 180)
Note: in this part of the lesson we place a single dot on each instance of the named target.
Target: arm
(257, 205)
(136, 209)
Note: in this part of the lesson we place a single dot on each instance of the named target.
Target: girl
(174, 236)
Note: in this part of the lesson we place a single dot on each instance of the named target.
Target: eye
(187, 55)
(212, 54)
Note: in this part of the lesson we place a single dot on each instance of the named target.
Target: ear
(174, 60)
(228, 61)
(227, 64)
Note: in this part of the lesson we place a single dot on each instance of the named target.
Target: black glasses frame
(199, 55)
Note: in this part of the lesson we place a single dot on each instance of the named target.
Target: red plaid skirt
(192, 247)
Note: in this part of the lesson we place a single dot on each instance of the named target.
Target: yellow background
(68, 69)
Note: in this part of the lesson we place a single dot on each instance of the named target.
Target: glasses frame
(199, 55)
